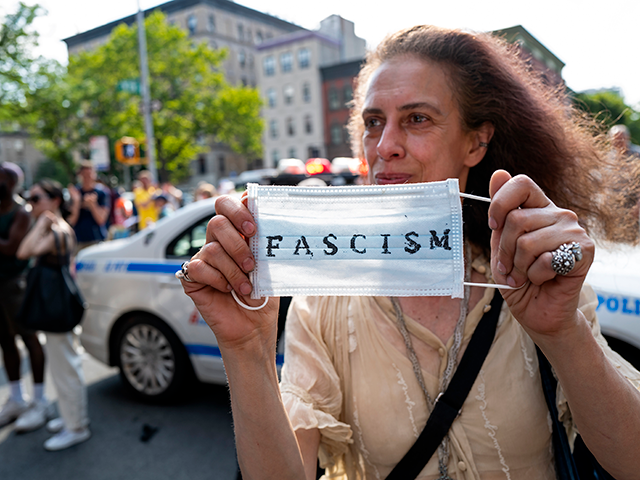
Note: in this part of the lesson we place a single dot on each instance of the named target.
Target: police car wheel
(153, 362)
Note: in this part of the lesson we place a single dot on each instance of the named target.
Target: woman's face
(413, 129)
(40, 201)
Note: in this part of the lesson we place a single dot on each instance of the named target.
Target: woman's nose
(391, 143)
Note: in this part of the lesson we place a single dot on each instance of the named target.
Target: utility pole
(146, 95)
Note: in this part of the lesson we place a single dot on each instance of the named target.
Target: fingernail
(245, 289)
(247, 265)
(229, 287)
(501, 268)
(511, 282)
(492, 223)
(248, 228)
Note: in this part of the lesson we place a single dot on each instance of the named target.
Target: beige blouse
(347, 374)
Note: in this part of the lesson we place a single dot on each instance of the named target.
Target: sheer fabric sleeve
(588, 305)
(310, 385)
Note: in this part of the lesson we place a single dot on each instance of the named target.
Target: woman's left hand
(527, 228)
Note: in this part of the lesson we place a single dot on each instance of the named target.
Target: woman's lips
(392, 178)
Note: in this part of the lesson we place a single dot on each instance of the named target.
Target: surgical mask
(391, 240)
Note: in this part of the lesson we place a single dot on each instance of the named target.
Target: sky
(598, 41)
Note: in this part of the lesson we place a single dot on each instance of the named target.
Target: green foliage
(17, 66)
(187, 87)
(610, 108)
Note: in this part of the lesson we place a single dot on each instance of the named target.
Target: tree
(187, 86)
(18, 68)
(609, 107)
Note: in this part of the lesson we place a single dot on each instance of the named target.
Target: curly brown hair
(538, 130)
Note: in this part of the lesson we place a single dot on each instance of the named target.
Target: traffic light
(128, 151)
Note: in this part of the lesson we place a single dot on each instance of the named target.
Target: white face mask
(391, 240)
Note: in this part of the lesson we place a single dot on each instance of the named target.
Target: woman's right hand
(222, 265)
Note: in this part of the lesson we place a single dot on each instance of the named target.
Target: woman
(48, 208)
(433, 104)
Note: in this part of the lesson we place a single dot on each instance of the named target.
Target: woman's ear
(480, 140)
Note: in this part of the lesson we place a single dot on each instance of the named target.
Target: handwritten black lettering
(271, 246)
(353, 243)
(302, 243)
(443, 242)
(412, 246)
(329, 244)
(385, 244)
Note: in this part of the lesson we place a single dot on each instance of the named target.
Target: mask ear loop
(248, 307)
(490, 285)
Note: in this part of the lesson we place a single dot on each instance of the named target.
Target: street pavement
(131, 440)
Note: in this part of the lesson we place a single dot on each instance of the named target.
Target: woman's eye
(417, 118)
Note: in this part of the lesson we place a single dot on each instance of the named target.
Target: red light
(316, 166)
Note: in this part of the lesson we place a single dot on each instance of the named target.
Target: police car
(139, 318)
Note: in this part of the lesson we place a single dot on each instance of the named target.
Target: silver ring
(185, 273)
(564, 258)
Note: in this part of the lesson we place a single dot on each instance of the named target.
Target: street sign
(99, 147)
(131, 85)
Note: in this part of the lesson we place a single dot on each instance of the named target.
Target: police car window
(189, 241)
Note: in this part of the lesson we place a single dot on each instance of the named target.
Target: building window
(192, 24)
(222, 166)
(202, 165)
(275, 156)
(213, 44)
(314, 152)
(292, 152)
(336, 134)
(271, 97)
(291, 129)
(244, 81)
(241, 32)
(288, 94)
(308, 125)
(348, 93)
(242, 58)
(306, 93)
(304, 58)
(259, 38)
(269, 66)
(273, 128)
(286, 62)
(334, 99)
(211, 23)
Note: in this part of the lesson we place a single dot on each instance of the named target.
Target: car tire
(153, 362)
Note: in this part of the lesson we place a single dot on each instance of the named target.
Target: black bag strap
(449, 404)
(581, 464)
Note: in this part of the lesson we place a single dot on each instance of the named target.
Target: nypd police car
(139, 318)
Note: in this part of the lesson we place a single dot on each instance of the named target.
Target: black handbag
(579, 464)
(52, 301)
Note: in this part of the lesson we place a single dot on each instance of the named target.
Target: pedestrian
(65, 363)
(362, 374)
(90, 208)
(14, 224)
(143, 200)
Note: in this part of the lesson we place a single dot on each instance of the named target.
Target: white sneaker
(34, 417)
(56, 425)
(66, 439)
(11, 410)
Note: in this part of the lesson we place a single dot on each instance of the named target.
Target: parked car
(139, 318)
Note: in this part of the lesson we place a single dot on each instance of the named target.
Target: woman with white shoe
(65, 363)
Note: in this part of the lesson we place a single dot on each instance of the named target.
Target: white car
(139, 317)
(140, 320)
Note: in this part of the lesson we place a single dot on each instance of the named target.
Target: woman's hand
(527, 227)
(222, 265)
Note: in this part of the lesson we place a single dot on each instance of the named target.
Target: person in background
(48, 210)
(163, 207)
(122, 213)
(620, 138)
(204, 190)
(14, 224)
(173, 195)
(89, 209)
(143, 200)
